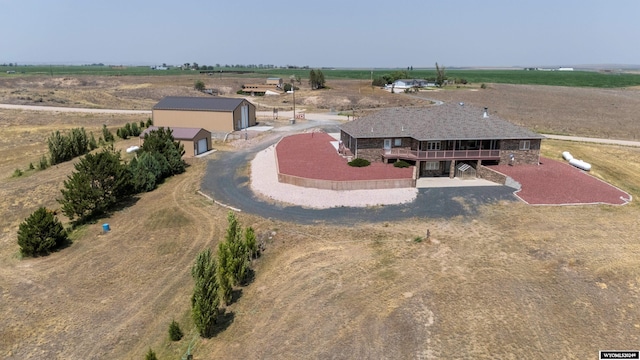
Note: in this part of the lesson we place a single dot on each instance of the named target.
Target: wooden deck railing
(440, 154)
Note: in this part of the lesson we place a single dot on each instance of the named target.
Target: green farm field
(595, 79)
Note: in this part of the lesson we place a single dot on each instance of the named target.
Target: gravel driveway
(223, 183)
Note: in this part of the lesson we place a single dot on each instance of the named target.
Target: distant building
(402, 84)
(275, 81)
(565, 69)
(215, 114)
(194, 140)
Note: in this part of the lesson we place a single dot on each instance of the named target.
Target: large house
(438, 138)
(215, 114)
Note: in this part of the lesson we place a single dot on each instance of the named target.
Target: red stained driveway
(557, 183)
(312, 156)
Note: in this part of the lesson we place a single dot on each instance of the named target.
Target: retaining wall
(346, 185)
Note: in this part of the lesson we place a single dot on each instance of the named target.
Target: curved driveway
(223, 183)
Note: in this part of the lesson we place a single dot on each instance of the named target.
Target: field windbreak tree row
(214, 279)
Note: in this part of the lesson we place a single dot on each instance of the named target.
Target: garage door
(202, 146)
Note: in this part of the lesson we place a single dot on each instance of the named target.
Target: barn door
(202, 146)
(244, 116)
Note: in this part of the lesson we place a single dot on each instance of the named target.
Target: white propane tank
(567, 156)
(131, 149)
(580, 164)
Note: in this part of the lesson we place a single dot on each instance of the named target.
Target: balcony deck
(437, 155)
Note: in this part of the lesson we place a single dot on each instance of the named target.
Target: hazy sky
(346, 33)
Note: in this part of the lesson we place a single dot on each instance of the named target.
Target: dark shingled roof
(198, 103)
(179, 133)
(444, 122)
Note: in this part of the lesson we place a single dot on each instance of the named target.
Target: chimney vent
(485, 114)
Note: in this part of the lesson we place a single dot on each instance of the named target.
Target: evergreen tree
(224, 276)
(100, 181)
(134, 130)
(58, 148)
(78, 142)
(93, 144)
(161, 142)
(205, 299)
(107, 135)
(175, 333)
(238, 263)
(151, 355)
(146, 171)
(41, 233)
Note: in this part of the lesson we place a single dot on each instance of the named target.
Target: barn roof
(198, 103)
(179, 133)
(444, 122)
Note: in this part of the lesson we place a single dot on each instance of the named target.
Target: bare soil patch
(606, 113)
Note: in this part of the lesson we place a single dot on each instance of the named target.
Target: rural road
(66, 109)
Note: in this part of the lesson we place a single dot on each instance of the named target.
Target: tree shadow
(249, 277)
(95, 218)
(236, 294)
(224, 320)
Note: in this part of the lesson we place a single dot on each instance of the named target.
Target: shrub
(199, 85)
(31, 167)
(149, 122)
(44, 163)
(41, 233)
(107, 135)
(151, 355)
(17, 173)
(401, 164)
(483, 86)
(175, 334)
(359, 162)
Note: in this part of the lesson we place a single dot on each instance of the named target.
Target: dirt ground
(515, 281)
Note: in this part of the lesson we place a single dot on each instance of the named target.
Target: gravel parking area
(264, 181)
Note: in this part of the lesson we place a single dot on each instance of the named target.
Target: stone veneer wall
(484, 172)
(531, 156)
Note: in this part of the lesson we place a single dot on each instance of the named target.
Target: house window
(432, 165)
(397, 142)
(525, 144)
(433, 145)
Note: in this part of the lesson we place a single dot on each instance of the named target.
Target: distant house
(565, 69)
(215, 114)
(259, 89)
(437, 139)
(194, 140)
(402, 84)
(275, 81)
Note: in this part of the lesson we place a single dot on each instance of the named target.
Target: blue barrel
(105, 227)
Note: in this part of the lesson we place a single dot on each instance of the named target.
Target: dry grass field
(515, 281)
